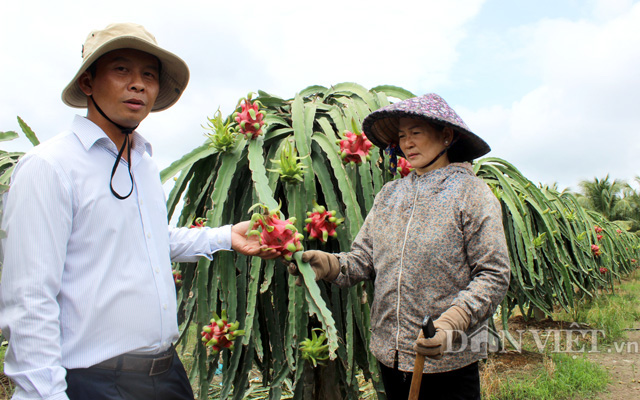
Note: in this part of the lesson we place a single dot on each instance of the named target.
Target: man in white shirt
(87, 298)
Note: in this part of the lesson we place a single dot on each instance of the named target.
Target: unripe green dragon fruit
(290, 169)
(314, 349)
(322, 223)
(250, 119)
(220, 334)
(278, 234)
(224, 136)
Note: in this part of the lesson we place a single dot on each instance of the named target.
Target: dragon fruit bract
(278, 234)
(220, 334)
(250, 119)
(322, 223)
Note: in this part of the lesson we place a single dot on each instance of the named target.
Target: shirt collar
(89, 134)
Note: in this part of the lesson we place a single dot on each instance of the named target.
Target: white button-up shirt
(86, 276)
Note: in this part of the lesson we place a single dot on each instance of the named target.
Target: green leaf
(394, 91)
(188, 159)
(8, 135)
(28, 132)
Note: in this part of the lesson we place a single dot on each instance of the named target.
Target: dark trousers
(104, 384)
(459, 384)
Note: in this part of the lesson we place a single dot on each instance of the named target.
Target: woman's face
(421, 143)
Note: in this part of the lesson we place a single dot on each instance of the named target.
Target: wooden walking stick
(429, 331)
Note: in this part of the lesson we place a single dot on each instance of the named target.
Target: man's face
(125, 85)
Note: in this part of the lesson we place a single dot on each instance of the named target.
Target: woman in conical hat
(434, 244)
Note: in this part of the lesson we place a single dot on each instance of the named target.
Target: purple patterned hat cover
(381, 126)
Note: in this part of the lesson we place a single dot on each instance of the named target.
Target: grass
(611, 313)
(558, 376)
(6, 386)
(550, 375)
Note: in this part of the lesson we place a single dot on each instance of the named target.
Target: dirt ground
(622, 360)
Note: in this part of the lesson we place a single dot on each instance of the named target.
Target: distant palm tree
(602, 196)
(615, 200)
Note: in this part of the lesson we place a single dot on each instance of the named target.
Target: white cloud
(582, 121)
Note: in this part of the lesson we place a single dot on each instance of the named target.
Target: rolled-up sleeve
(190, 244)
(487, 254)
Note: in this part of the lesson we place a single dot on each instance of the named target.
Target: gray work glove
(325, 265)
(450, 324)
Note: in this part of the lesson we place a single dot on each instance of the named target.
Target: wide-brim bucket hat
(174, 73)
(381, 126)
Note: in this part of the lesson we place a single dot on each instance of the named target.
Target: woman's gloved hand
(449, 324)
(325, 265)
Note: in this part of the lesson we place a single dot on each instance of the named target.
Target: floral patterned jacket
(430, 242)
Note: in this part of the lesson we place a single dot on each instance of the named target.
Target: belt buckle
(160, 365)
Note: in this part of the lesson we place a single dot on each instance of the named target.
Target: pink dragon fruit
(595, 249)
(250, 119)
(198, 223)
(278, 234)
(220, 334)
(177, 277)
(354, 147)
(322, 223)
(403, 167)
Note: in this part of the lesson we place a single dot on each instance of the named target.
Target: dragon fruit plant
(322, 223)
(278, 234)
(250, 119)
(220, 334)
(276, 313)
(291, 170)
(224, 135)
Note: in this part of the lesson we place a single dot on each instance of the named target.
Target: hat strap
(127, 144)
(455, 139)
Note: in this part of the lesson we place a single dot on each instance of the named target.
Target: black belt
(153, 365)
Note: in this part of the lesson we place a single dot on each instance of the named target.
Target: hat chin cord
(127, 144)
(455, 139)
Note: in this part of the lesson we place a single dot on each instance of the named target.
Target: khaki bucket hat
(381, 126)
(174, 73)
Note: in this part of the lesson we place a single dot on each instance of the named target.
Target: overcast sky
(552, 85)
